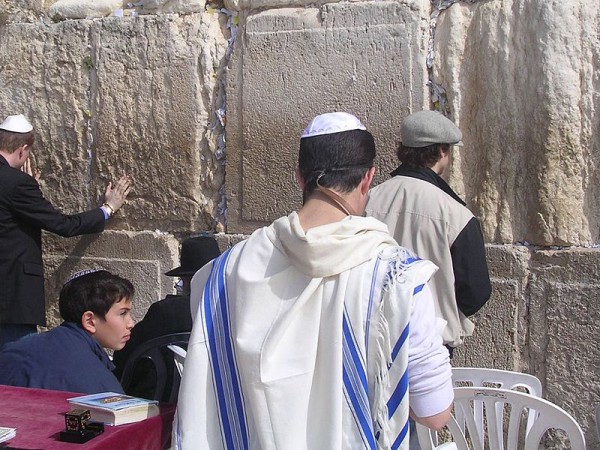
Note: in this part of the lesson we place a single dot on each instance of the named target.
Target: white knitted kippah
(17, 124)
(334, 122)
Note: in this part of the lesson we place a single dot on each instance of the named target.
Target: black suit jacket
(167, 316)
(24, 213)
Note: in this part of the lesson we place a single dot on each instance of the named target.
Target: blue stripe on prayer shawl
(418, 289)
(398, 442)
(400, 342)
(355, 385)
(222, 356)
(411, 259)
(398, 394)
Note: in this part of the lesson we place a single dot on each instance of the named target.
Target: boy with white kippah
(24, 213)
(96, 308)
(301, 335)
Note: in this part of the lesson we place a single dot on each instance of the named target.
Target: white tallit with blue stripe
(300, 341)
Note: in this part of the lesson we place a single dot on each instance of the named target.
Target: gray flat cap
(425, 128)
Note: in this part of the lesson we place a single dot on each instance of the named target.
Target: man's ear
(367, 180)
(21, 150)
(444, 150)
(299, 178)
(88, 322)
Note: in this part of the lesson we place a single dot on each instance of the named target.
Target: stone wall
(203, 105)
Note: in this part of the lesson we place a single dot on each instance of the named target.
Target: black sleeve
(471, 277)
(30, 205)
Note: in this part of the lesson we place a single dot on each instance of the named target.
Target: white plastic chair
(548, 416)
(488, 378)
(179, 356)
(503, 379)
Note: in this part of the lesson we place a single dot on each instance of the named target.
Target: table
(38, 416)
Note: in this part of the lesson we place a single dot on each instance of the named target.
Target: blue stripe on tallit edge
(400, 342)
(355, 385)
(410, 260)
(418, 289)
(398, 394)
(222, 357)
(403, 433)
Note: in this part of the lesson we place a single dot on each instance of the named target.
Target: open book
(116, 409)
(7, 433)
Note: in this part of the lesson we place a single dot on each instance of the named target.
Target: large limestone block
(238, 5)
(170, 6)
(523, 77)
(43, 74)
(83, 9)
(156, 86)
(364, 58)
(27, 11)
(499, 339)
(564, 330)
(142, 258)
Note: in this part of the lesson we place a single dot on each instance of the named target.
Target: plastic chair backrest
(179, 355)
(503, 379)
(481, 377)
(548, 416)
(156, 352)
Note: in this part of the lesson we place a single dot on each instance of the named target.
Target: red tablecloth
(38, 416)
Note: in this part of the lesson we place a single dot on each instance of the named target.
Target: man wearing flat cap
(301, 334)
(424, 214)
(167, 316)
(24, 213)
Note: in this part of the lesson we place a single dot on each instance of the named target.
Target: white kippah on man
(312, 333)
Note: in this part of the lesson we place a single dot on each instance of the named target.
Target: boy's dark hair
(95, 292)
(10, 141)
(421, 157)
(338, 160)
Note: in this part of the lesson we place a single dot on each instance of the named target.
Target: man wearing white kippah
(24, 213)
(311, 333)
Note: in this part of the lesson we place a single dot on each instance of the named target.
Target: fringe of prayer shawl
(383, 348)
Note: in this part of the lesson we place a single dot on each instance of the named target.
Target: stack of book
(115, 409)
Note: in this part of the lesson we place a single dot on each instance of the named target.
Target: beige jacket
(426, 220)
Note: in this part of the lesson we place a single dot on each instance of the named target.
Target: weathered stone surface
(501, 325)
(524, 93)
(84, 9)
(44, 76)
(497, 339)
(154, 94)
(142, 258)
(565, 325)
(364, 58)
(238, 5)
(171, 6)
(26, 11)
(124, 95)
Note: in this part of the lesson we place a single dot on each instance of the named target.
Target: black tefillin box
(79, 428)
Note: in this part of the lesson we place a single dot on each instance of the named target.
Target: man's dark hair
(95, 292)
(10, 141)
(420, 158)
(341, 158)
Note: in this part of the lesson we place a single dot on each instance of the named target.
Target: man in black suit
(24, 213)
(167, 316)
